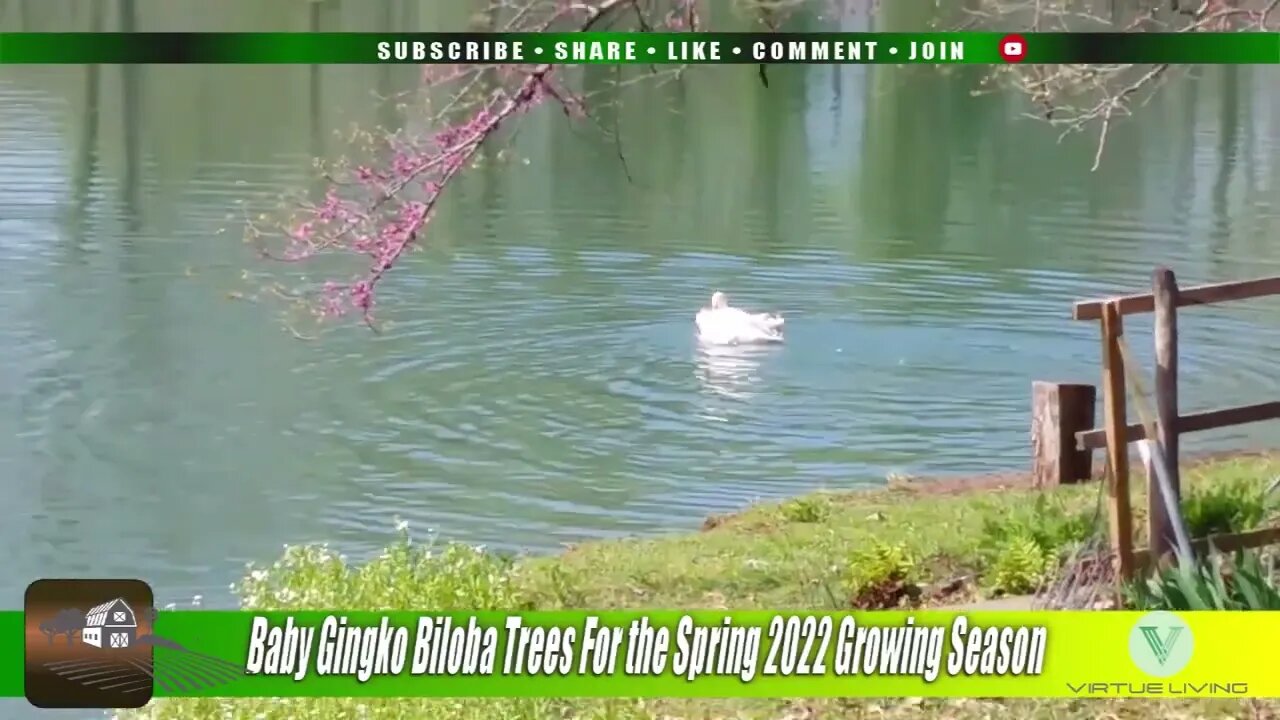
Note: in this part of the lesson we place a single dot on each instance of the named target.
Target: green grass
(821, 551)
(1232, 505)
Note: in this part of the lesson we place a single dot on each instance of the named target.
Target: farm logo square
(86, 643)
(92, 644)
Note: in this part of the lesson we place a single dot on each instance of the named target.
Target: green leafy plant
(1225, 507)
(806, 510)
(881, 575)
(1244, 583)
(1046, 522)
(1020, 566)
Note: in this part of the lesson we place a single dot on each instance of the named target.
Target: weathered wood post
(1058, 412)
(1115, 423)
(1164, 287)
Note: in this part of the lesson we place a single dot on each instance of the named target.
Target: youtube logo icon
(1013, 48)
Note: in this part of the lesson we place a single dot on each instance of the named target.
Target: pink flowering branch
(380, 209)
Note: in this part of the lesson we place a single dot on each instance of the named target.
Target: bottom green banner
(666, 653)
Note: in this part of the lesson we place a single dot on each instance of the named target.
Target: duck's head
(718, 300)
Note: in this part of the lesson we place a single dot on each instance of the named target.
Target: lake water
(540, 384)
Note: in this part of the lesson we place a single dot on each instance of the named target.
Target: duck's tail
(772, 321)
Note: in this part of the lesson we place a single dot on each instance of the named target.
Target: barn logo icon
(110, 625)
(109, 656)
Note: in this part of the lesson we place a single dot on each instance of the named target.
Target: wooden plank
(1160, 533)
(1113, 396)
(1223, 543)
(1193, 422)
(1198, 295)
(1058, 412)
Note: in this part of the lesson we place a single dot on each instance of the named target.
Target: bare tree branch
(1076, 97)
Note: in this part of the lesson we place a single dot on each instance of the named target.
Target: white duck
(720, 324)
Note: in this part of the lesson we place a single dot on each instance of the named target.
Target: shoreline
(913, 545)
(989, 482)
(1022, 480)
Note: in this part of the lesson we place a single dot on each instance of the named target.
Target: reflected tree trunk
(769, 154)
(1184, 185)
(907, 145)
(148, 350)
(1249, 145)
(131, 117)
(87, 151)
(313, 87)
(1228, 141)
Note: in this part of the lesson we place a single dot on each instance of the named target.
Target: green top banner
(640, 48)
(56, 655)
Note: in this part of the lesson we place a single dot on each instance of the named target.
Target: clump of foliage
(1020, 566)
(1245, 583)
(1229, 506)
(406, 575)
(806, 510)
(1047, 522)
(1020, 548)
(882, 575)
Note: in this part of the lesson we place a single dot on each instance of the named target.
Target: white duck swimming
(720, 324)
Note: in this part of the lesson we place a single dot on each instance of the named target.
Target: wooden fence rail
(1198, 295)
(1191, 422)
(1063, 439)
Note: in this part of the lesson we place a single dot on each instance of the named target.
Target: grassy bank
(908, 544)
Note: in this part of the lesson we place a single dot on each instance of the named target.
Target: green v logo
(1161, 647)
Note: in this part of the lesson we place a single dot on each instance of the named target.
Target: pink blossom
(405, 165)
(448, 137)
(362, 295)
(412, 213)
(331, 207)
(365, 244)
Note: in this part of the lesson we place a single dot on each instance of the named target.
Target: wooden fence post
(1058, 412)
(1121, 514)
(1164, 286)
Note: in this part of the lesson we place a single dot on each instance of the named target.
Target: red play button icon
(1013, 48)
